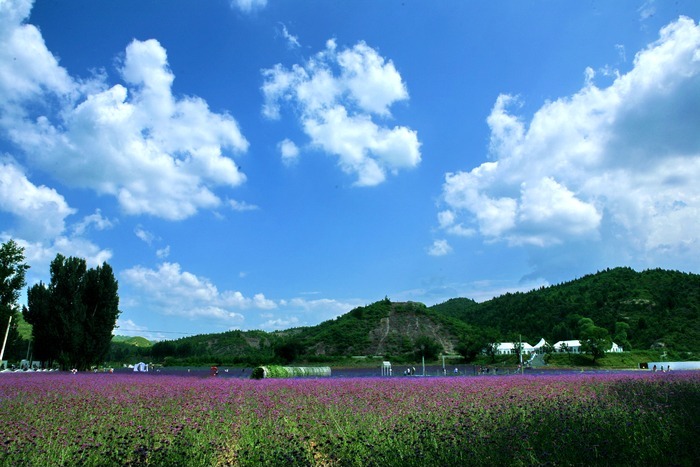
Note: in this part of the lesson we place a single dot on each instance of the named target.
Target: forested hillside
(639, 310)
(653, 307)
(385, 328)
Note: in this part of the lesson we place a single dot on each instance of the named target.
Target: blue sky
(272, 164)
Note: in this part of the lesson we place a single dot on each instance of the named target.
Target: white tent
(574, 346)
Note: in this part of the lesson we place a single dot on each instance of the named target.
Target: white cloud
(27, 68)
(144, 235)
(157, 153)
(292, 41)
(274, 324)
(289, 151)
(446, 221)
(338, 96)
(617, 164)
(40, 211)
(247, 6)
(296, 312)
(129, 328)
(440, 248)
(164, 252)
(95, 220)
(40, 225)
(241, 206)
(647, 10)
(39, 254)
(170, 291)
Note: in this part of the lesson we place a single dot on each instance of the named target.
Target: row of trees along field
(72, 317)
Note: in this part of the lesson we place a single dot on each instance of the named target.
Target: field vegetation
(130, 419)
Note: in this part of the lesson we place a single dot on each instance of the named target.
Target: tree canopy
(12, 280)
(74, 315)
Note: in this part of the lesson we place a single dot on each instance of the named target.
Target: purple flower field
(134, 419)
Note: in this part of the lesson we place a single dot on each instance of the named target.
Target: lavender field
(132, 419)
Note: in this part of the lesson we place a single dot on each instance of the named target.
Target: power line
(148, 331)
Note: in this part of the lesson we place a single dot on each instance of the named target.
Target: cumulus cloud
(40, 211)
(93, 221)
(40, 225)
(169, 290)
(617, 164)
(297, 311)
(39, 254)
(156, 153)
(339, 95)
(27, 67)
(273, 324)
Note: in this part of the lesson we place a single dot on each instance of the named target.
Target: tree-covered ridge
(637, 310)
(233, 347)
(384, 328)
(137, 341)
(653, 307)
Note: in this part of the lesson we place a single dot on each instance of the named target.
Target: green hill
(660, 307)
(640, 310)
(137, 341)
(384, 328)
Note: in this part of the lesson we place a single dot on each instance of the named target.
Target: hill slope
(639, 310)
(383, 328)
(660, 307)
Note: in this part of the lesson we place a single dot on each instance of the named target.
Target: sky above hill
(259, 164)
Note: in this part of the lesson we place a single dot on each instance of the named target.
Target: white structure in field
(572, 346)
(141, 367)
(540, 346)
(508, 348)
(386, 368)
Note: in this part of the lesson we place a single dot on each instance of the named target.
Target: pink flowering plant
(128, 419)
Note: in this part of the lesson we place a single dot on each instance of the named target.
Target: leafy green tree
(427, 347)
(288, 350)
(12, 280)
(163, 349)
(595, 340)
(548, 348)
(490, 350)
(471, 346)
(73, 317)
(622, 330)
(45, 336)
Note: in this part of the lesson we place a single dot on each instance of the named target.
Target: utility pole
(4, 342)
(522, 369)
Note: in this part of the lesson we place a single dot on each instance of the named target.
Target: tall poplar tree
(12, 272)
(73, 317)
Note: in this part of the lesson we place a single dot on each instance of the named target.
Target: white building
(573, 346)
(540, 346)
(508, 348)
